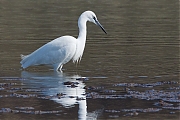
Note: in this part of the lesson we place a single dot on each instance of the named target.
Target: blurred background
(142, 46)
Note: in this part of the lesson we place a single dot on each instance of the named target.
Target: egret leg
(60, 68)
(57, 67)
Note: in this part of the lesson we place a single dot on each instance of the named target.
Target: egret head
(92, 18)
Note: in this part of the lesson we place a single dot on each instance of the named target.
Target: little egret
(61, 50)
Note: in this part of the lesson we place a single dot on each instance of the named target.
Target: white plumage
(63, 49)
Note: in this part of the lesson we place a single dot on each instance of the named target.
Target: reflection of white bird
(61, 50)
(51, 83)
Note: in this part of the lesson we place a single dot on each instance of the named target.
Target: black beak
(99, 24)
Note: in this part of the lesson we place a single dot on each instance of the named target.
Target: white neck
(81, 40)
(82, 28)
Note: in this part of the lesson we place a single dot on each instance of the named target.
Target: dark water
(130, 73)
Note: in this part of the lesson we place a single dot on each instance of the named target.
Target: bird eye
(94, 18)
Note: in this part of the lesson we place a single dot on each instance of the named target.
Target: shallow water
(130, 73)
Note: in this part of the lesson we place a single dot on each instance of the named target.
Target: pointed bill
(99, 24)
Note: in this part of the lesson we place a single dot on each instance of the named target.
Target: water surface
(136, 60)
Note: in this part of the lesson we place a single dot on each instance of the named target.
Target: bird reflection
(52, 83)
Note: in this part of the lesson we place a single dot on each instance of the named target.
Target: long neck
(81, 40)
(82, 29)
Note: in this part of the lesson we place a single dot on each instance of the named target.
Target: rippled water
(130, 73)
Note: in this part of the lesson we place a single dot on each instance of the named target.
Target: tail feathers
(23, 56)
(23, 61)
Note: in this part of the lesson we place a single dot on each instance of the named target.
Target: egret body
(61, 50)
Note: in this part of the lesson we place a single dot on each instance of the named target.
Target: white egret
(61, 50)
